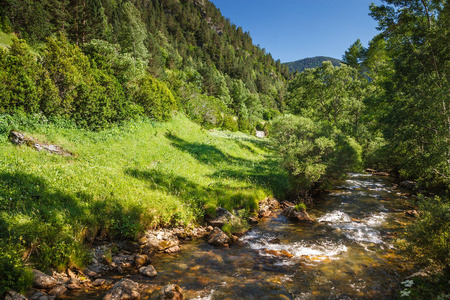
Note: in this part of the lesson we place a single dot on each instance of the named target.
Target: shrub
(205, 110)
(230, 124)
(429, 238)
(155, 98)
(237, 225)
(24, 84)
(312, 152)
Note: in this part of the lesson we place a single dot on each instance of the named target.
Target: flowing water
(347, 253)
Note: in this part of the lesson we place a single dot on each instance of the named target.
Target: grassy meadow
(120, 181)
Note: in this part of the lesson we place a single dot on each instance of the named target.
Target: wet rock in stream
(124, 289)
(11, 295)
(223, 216)
(267, 206)
(219, 238)
(43, 281)
(169, 292)
(148, 271)
(291, 213)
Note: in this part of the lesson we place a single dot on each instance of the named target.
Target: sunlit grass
(123, 180)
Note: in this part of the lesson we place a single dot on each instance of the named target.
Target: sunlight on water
(335, 216)
(357, 230)
(347, 253)
(317, 251)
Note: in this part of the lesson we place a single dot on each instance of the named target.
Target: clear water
(347, 253)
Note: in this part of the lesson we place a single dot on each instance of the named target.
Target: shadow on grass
(265, 174)
(52, 227)
(204, 153)
(198, 197)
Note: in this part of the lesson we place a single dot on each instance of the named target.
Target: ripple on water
(316, 250)
(359, 231)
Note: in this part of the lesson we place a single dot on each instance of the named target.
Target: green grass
(5, 39)
(122, 181)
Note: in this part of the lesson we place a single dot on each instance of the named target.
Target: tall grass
(5, 39)
(120, 181)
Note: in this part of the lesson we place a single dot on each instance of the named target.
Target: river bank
(116, 184)
(348, 251)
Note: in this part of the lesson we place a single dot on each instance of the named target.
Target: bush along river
(347, 252)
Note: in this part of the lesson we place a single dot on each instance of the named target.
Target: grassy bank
(119, 182)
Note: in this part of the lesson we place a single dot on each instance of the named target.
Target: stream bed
(347, 253)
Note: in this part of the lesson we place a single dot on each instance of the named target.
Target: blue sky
(294, 29)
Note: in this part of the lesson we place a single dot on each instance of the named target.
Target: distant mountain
(310, 62)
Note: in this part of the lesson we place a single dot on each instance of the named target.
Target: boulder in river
(218, 238)
(149, 271)
(170, 292)
(223, 216)
(407, 184)
(124, 289)
(43, 281)
(11, 295)
(291, 213)
(281, 253)
(412, 213)
(159, 240)
(58, 290)
(140, 260)
(266, 207)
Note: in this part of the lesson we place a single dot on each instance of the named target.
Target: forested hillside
(310, 62)
(102, 77)
(131, 50)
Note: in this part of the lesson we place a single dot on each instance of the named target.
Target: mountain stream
(347, 253)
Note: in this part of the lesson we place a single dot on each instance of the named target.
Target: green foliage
(331, 94)
(14, 275)
(434, 286)
(429, 237)
(155, 98)
(237, 225)
(229, 123)
(24, 84)
(300, 207)
(132, 33)
(412, 99)
(354, 55)
(130, 40)
(91, 97)
(312, 152)
(108, 58)
(5, 38)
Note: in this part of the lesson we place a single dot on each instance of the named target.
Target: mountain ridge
(311, 62)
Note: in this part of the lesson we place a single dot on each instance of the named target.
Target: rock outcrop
(19, 138)
(267, 206)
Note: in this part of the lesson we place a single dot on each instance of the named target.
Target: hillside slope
(118, 183)
(210, 65)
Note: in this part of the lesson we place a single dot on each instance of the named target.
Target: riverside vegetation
(131, 88)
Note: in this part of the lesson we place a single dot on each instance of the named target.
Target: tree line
(210, 66)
